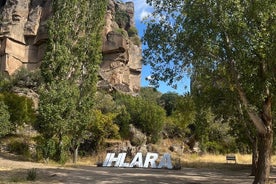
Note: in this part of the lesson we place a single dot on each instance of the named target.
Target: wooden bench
(231, 158)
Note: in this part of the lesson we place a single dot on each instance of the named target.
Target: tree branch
(257, 121)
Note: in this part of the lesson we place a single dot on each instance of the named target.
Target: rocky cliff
(23, 36)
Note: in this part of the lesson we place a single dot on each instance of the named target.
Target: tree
(144, 115)
(180, 114)
(225, 106)
(169, 102)
(230, 41)
(5, 125)
(150, 94)
(70, 71)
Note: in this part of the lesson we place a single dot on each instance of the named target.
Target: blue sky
(142, 9)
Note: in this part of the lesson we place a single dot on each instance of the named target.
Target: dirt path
(16, 171)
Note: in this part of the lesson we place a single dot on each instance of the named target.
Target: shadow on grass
(211, 165)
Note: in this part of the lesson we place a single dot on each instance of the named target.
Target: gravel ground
(12, 171)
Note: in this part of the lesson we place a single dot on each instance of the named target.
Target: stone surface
(121, 66)
(22, 33)
(137, 138)
(23, 37)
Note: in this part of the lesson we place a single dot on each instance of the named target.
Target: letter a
(137, 160)
(151, 158)
(166, 161)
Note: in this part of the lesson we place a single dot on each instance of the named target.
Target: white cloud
(142, 9)
(144, 14)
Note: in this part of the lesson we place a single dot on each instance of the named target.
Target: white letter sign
(137, 161)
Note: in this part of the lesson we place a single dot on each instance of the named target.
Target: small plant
(122, 18)
(16, 179)
(136, 40)
(31, 175)
(132, 31)
(121, 31)
(177, 165)
(19, 147)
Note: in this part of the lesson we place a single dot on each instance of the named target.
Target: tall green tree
(169, 102)
(232, 41)
(70, 69)
(5, 125)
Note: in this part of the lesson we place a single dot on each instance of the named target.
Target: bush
(132, 31)
(136, 40)
(121, 18)
(31, 175)
(146, 116)
(19, 147)
(20, 109)
(214, 147)
(121, 32)
(5, 125)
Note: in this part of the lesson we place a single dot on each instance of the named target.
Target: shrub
(121, 31)
(132, 31)
(136, 40)
(31, 175)
(20, 147)
(5, 125)
(121, 18)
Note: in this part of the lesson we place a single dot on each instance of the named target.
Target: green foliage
(4, 83)
(104, 102)
(19, 147)
(31, 175)
(169, 102)
(121, 18)
(45, 149)
(132, 31)
(150, 94)
(172, 130)
(123, 120)
(20, 109)
(5, 125)
(121, 31)
(104, 123)
(136, 40)
(101, 127)
(222, 45)
(145, 115)
(70, 70)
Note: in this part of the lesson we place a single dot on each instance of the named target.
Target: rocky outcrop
(136, 137)
(23, 36)
(121, 66)
(22, 33)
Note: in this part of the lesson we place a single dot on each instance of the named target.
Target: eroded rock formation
(22, 33)
(121, 66)
(23, 36)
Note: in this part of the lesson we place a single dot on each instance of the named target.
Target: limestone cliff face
(121, 66)
(22, 33)
(23, 36)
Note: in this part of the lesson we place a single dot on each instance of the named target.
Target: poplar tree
(70, 70)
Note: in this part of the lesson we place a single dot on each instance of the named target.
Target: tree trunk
(263, 168)
(265, 145)
(254, 157)
(75, 155)
(263, 123)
